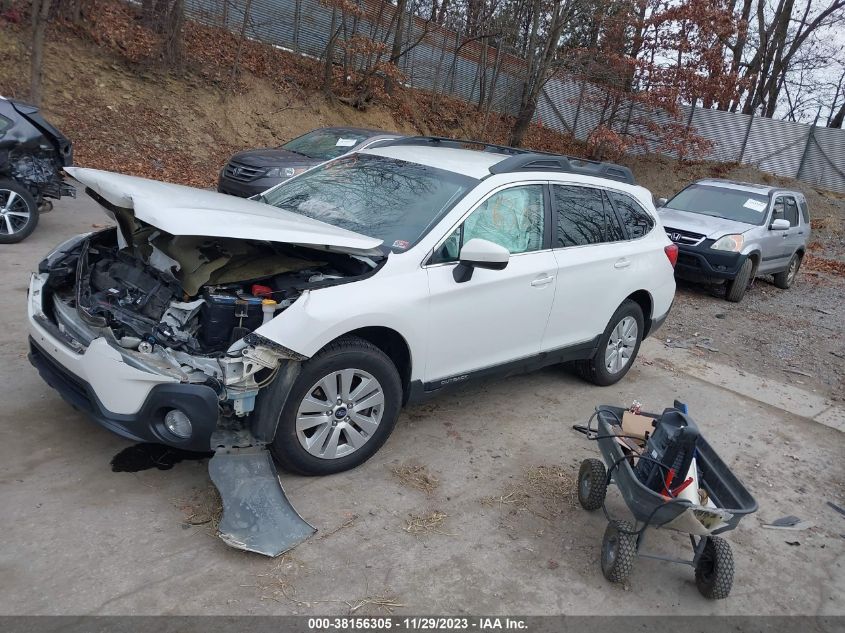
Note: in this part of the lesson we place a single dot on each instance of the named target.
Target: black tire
(618, 551)
(786, 278)
(345, 353)
(592, 484)
(594, 369)
(736, 287)
(20, 229)
(714, 573)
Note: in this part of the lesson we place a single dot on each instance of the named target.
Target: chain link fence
(448, 62)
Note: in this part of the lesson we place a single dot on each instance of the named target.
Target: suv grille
(242, 172)
(684, 237)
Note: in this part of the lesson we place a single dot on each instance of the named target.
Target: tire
(618, 551)
(736, 287)
(595, 370)
(786, 278)
(308, 450)
(714, 573)
(20, 218)
(592, 484)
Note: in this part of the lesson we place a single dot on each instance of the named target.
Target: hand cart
(622, 542)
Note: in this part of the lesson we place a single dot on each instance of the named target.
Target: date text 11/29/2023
(421, 623)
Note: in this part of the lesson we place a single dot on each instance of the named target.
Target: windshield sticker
(755, 205)
(403, 244)
(345, 142)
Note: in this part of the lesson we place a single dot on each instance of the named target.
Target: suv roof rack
(522, 159)
(454, 143)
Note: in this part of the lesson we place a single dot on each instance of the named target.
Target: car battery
(228, 316)
(672, 444)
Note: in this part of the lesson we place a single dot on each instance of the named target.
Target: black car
(255, 171)
(32, 155)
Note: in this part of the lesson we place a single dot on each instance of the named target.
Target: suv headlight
(283, 172)
(732, 243)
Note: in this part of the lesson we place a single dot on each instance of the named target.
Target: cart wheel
(618, 551)
(592, 484)
(714, 573)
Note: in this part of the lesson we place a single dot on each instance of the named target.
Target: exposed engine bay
(188, 306)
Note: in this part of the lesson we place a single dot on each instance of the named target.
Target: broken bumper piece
(198, 402)
(257, 516)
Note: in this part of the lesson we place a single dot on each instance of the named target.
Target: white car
(304, 321)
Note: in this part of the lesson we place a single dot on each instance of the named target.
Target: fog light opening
(178, 423)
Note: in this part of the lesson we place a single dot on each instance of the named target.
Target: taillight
(671, 251)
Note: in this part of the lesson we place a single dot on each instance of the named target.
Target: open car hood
(181, 210)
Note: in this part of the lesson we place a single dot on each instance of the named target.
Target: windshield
(392, 200)
(325, 144)
(720, 202)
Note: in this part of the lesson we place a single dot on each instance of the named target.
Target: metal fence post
(745, 140)
(810, 135)
(578, 108)
(691, 112)
(297, 15)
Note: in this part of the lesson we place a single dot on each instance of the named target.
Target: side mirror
(478, 253)
(660, 202)
(780, 225)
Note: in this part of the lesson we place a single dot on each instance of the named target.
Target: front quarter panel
(396, 297)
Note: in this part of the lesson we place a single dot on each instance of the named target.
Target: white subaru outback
(303, 321)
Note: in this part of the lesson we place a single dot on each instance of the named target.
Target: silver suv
(732, 232)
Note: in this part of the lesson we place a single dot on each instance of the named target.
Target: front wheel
(618, 347)
(340, 410)
(18, 212)
(618, 551)
(736, 287)
(786, 278)
(714, 572)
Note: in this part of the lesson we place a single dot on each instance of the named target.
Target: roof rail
(455, 143)
(539, 161)
(522, 159)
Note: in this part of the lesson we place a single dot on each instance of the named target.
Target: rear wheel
(340, 410)
(618, 347)
(18, 212)
(786, 278)
(736, 287)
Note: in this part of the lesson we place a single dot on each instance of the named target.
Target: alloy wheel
(620, 345)
(339, 413)
(793, 270)
(14, 212)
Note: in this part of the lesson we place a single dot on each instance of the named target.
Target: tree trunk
(329, 61)
(837, 120)
(40, 15)
(171, 45)
(396, 50)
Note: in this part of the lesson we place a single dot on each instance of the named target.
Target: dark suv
(256, 170)
(32, 155)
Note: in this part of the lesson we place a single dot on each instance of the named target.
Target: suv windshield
(721, 202)
(392, 200)
(325, 144)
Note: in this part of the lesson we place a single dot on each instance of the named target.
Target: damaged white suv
(304, 321)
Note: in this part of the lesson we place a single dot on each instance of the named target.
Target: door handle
(622, 263)
(542, 281)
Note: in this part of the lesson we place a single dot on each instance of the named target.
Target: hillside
(126, 115)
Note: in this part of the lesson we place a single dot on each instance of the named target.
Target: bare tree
(542, 47)
(40, 17)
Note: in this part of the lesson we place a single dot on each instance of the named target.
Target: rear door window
(791, 210)
(805, 210)
(638, 222)
(583, 217)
